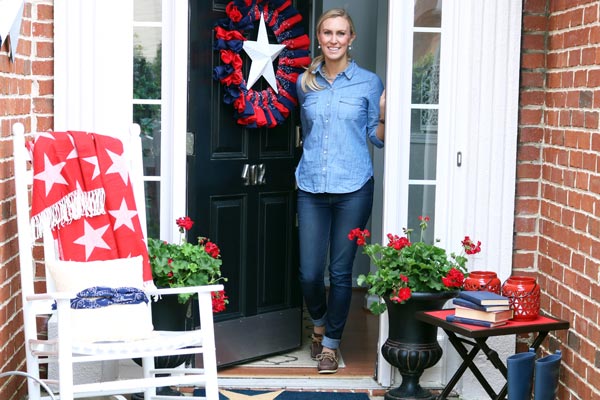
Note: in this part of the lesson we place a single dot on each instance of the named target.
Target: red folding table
(476, 336)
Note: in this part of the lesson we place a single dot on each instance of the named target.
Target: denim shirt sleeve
(377, 90)
(338, 121)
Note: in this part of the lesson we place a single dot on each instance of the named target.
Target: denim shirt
(336, 122)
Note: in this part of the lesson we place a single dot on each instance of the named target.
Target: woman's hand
(382, 106)
(381, 127)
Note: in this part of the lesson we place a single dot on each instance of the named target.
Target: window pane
(421, 202)
(146, 63)
(423, 153)
(423, 121)
(428, 13)
(147, 11)
(152, 208)
(426, 68)
(148, 117)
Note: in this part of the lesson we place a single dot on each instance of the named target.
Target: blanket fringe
(70, 208)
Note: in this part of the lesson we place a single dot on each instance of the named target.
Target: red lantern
(486, 281)
(524, 295)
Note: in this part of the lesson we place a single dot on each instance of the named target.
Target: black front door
(253, 220)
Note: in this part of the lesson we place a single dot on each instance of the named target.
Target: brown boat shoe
(316, 347)
(328, 362)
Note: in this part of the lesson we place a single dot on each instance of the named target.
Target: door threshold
(304, 383)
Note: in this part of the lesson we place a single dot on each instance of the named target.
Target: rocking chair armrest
(186, 289)
(50, 296)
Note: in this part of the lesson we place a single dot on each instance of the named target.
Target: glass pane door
(424, 113)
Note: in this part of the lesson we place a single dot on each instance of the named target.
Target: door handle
(298, 136)
(246, 174)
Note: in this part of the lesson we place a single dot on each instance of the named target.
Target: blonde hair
(309, 80)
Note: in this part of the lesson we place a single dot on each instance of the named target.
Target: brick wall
(26, 95)
(558, 192)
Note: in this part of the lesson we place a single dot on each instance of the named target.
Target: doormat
(283, 395)
(299, 358)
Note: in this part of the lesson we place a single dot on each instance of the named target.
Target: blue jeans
(324, 221)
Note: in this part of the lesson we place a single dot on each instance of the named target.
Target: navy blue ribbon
(102, 296)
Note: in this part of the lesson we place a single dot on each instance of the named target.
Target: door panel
(251, 219)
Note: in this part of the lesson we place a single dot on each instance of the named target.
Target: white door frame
(478, 117)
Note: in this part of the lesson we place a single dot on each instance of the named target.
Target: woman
(342, 106)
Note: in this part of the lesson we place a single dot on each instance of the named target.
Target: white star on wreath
(262, 54)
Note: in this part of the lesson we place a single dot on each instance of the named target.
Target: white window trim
(173, 188)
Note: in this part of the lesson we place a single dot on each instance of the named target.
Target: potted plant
(412, 277)
(187, 264)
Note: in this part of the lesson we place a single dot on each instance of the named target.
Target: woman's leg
(314, 225)
(350, 211)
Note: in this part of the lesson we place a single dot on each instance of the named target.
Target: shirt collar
(348, 72)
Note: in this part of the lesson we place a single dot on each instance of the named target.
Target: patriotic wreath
(264, 108)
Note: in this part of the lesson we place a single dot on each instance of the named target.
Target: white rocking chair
(69, 351)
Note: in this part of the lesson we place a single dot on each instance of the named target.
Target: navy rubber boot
(546, 377)
(520, 375)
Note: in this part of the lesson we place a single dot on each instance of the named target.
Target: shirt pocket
(352, 108)
(310, 108)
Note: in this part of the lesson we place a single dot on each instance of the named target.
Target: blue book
(470, 321)
(484, 298)
(458, 301)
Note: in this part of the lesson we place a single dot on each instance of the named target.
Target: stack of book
(481, 308)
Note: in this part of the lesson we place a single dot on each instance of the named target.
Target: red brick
(532, 79)
(531, 134)
(45, 12)
(591, 120)
(531, 117)
(534, 97)
(574, 58)
(593, 78)
(533, 60)
(528, 153)
(534, 6)
(535, 23)
(590, 14)
(46, 49)
(533, 41)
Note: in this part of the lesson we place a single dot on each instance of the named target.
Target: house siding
(557, 218)
(26, 95)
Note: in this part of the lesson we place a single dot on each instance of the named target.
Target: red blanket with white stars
(82, 191)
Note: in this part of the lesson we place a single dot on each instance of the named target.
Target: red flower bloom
(455, 278)
(397, 242)
(184, 223)
(212, 249)
(359, 235)
(470, 246)
(219, 300)
(402, 295)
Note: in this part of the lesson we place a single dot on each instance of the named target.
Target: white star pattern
(119, 166)
(123, 216)
(94, 161)
(47, 135)
(73, 153)
(92, 238)
(262, 54)
(51, 175)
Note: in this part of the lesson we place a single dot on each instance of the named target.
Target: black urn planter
(412, 345)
